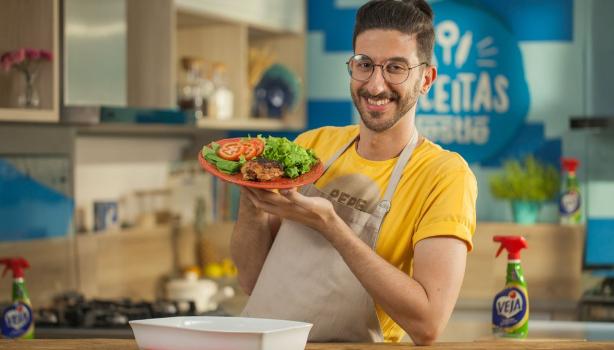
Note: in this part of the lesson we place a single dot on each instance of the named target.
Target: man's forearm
(250, 243)
(403, 298)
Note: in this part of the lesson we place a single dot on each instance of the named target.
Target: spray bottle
(510, 310)
(570, 201)
(17, 319)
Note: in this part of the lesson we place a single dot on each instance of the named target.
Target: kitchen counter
(125, 344)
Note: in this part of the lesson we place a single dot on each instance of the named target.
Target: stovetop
(72, 310)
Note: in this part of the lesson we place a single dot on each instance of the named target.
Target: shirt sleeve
(307, 138)
(450, 209)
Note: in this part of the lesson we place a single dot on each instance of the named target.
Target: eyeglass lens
(361, 68)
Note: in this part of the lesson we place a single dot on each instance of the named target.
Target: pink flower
(6, 62)
(19, 56)
(33, 54)
(46, 55)
(22, 57)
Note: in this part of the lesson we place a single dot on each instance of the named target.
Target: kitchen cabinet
(126, 53)
(276, 15)
(30, 24)
(94, 51)
(216, 31)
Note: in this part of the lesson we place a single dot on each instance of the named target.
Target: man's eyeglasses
(361, 68)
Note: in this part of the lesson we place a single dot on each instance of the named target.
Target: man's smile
(379, 103)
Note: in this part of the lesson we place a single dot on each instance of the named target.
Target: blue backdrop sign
(480, 98)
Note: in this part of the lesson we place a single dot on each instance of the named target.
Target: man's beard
(371, 118)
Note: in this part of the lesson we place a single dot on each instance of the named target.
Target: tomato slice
(259, 145)
(249, 150)
(230, 150)
(252, 148)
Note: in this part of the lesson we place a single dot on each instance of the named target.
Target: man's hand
(314, 212)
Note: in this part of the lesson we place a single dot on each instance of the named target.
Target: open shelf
(217, 32)
(169, 130)
(30, 24)
(28, 115)
(158, 130)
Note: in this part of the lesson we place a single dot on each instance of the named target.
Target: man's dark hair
(413, 17)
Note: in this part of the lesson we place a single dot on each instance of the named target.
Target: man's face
(380, 103)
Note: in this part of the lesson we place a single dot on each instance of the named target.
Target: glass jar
(222, 98)
(194, 88)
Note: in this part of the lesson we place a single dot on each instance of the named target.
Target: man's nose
(376, 84)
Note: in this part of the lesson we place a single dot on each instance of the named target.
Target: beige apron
(304, 278)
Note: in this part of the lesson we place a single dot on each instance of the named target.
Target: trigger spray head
(16, 265)
(513, 245)
(570, 164)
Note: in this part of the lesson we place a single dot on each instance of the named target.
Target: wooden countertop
(129, 344)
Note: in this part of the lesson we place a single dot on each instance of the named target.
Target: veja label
(16, 320)
(570, 202)
(510, 307)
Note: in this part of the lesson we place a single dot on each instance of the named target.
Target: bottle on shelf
(194, 88)
(570, 200)
(222, 98)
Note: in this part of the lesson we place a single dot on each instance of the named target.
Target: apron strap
(339, 152)
(384, 205)
(331, 160)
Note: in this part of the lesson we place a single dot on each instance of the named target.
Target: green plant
(530, 180)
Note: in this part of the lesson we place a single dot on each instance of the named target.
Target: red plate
(279, 183)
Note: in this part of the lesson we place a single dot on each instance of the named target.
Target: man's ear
(430, 75)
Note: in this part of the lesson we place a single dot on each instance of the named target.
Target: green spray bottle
(510, 309)
(17, 319)
(570, 201)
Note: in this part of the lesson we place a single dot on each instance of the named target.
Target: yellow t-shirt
(436, 196)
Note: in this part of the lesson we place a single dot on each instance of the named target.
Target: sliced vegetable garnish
(249, 150)
(257, 143)
(223, 165)
(231, 150)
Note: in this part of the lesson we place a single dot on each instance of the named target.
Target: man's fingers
(297, 198)
(271, 197)
(285, 210)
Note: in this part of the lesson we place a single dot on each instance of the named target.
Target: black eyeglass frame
(382, 68)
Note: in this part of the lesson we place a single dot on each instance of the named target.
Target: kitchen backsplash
(35, 200)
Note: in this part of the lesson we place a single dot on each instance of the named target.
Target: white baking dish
(216, 333)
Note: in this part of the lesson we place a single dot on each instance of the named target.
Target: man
(378, 244)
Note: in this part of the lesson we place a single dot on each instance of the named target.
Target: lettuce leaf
(295, 159)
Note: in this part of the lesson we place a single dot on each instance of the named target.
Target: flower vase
(28, 98)
(525, 212)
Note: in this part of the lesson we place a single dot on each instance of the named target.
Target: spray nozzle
(16, 265)
(513, 244)
(570, 164)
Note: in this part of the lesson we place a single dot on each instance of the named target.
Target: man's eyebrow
(398, 59)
